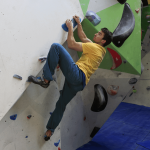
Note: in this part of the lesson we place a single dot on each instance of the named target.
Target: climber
(77, 75)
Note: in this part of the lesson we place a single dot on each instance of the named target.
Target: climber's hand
(69, 23)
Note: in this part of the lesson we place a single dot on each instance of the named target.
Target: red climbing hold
(117, 61)
(84, 118)
(137, 10)
(59, 148)
(57, 66)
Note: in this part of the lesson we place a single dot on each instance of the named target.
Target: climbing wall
(128, 51)
(141, 97)
(78, 120)
(28, 28)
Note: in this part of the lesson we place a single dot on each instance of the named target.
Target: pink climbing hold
(117, 61)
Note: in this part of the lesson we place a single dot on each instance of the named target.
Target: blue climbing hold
(93, 17)
(13, 117)
(74, 24)
(56, 144)
(50, 113)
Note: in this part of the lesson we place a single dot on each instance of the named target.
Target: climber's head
(103, 37)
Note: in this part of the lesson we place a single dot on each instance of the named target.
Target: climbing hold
(100, 99)
(26, 136)
(94, 132)
(42, 60)
(130, 94)
(59, 148)
(50, 113)
(116, 59)
(29, 116)
(74, 24)
(121, 1)
(42, 57)
(58, 67)
(13, 117)
(148, 88)
(125, 27)
(112, 89)
(56, 144)
(142, 68)
(137, 10)
(132, 81)
(93, 17)
(124, 98)
(134, 91)
(125, 61)
(17, 77)
(84, 118)
(148, 21)
(147, 16)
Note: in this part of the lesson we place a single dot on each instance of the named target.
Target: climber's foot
(39, 81)
(47, 135)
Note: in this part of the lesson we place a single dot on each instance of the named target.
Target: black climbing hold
(121, 1)
(132, 81)
(95, 130)
(100, 99)
(17, 77)
(29, 116)
(130, 94)
(148, 88)
(125, 61)
(125, 27)
(124, 98)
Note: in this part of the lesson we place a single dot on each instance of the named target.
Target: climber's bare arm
(72, 44)
(81, 33)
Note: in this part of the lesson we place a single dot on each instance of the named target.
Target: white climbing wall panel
(27, 30)
(98, 5)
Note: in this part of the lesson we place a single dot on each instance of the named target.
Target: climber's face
(98, 38)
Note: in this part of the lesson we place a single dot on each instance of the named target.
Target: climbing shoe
(39, 81)
(46, 138)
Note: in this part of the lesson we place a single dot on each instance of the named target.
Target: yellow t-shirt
(91, 58)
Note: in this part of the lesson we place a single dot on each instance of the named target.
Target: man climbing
(77, 75)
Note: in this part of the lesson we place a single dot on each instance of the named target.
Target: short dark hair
(107, 36)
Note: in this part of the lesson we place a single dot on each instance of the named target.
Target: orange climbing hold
(112, 89)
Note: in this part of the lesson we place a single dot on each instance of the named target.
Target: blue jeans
(74, 80)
